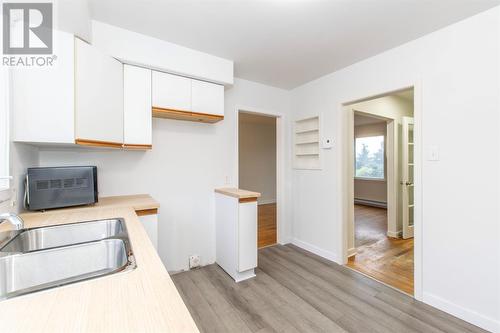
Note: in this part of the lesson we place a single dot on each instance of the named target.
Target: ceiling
(366, 120)
(285, 43)
(405, 94)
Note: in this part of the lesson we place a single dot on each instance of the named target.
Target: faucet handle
(14, 219)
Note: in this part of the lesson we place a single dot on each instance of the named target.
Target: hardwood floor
(296, 291)
(266, 225)
(386, 259)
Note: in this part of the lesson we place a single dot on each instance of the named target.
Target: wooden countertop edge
(143, 204)
(237, 193)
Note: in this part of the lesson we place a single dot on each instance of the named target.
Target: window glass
(370, 157)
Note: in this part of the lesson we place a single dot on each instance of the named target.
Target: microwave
(58, 187)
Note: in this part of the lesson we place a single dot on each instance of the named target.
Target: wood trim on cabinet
(134, 146)
(243, 200)
(185, 115)
(97, 143)
(151, 211)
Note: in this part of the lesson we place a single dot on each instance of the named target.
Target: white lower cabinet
(150, 224)
(236, 236)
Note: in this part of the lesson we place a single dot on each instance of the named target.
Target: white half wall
(457, 69)
(187, 162)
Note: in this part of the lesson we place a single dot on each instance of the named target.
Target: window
(4, 129)
(370, 157)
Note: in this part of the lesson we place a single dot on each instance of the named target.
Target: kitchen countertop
(141, 300)
(137, 202)
(237, 193)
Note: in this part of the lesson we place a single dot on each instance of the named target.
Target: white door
(98, 96)
(407, 177)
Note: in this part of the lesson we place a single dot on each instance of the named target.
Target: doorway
(257, 169)
(382, 182)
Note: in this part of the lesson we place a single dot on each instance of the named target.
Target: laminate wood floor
(389, 260)
(297, 291)
(266, 225)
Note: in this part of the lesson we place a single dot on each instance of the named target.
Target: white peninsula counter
(236, 232)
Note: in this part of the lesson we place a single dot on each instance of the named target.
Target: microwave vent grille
(42, 185)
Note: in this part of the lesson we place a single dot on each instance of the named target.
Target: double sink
(41, 258)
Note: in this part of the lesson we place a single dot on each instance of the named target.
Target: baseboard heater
(372, 203)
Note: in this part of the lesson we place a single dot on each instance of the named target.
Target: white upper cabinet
(98, 97)
(43, 98)
(137, 119)
(171, 92)
(207, 98)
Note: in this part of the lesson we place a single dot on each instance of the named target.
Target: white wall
(138, 49)
(20, 157)
(73, 16)
(187, 162)
(458, 69)
(257, 156)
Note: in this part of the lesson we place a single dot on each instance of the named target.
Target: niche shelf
(306, 144)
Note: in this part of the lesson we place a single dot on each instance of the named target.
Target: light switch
(433, 153)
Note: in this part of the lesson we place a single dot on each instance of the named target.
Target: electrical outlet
(194, 261)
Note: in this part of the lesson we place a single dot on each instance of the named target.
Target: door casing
(345, 158)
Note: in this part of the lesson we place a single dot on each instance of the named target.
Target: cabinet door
(207, 98)
(171, 92)
(43, 103)
(98, 97)
(137, 115)
(247, 236)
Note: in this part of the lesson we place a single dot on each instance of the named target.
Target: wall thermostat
(327, 143)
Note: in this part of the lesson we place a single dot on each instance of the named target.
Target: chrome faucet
(14, 219)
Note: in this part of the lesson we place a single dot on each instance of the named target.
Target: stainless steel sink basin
(42, 258)
(65, 234)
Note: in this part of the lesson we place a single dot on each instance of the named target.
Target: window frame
(375, 179)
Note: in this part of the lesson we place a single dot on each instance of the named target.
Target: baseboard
(371, 203)
(266, 202)
(317, 251)
(470, 316)
(393, 234)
